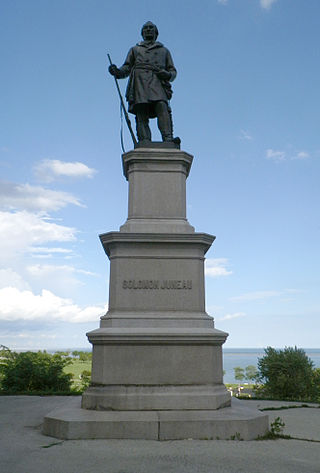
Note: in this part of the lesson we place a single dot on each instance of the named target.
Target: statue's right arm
(125, 69)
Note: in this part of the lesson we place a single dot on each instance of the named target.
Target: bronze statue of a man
(150, 67)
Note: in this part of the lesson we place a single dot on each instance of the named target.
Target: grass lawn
(76, 369)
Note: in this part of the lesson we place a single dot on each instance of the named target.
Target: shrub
(286, 374)
(316, 384)
(33, 372)
(85, 379)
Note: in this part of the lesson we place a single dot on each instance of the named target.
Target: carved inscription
(156, 284)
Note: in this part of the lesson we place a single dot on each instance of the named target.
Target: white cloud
(280, 156)
(45, 270)
(21, 305)
(292, 291)
(245, 135)
(64, 280)
(223, 2)
(236, 315)
(276, 156)
(46, 252)
(50, 169)
(302, 155)
(216, 267)
(8, 277)
(42, 336)
(20, 231)
(262, 295)
(34, 198)
(45, 249)
(266, 4)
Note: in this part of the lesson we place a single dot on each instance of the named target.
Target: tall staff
(126, 115)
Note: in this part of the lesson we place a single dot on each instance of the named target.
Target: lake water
(243, 357)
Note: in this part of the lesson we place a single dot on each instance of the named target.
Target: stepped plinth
(157, 356)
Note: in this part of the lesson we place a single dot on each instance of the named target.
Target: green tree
(32, 372)
(85, 356)
(239, 376)
(82, 355)
(251, 373)
(5, 353)
(286, 374)
(64, 354)
(316, 384)
(239, 373)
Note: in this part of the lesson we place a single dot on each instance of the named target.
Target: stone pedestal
(157, 357)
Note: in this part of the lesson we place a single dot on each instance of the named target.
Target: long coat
(141, 64)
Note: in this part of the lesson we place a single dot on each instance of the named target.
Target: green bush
(316, 384)
(33, 372)
(85, 379)
(286, 374)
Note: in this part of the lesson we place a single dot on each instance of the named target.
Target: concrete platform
(24, 449)
(236, 422)
(300, 422)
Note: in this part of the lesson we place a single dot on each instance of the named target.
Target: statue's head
(149, 31)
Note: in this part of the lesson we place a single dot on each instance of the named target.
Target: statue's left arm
(169, 72)
(170, 67)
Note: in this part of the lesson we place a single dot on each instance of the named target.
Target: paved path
(302, 423)
(23, 449)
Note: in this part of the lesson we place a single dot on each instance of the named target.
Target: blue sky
(246, 105)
